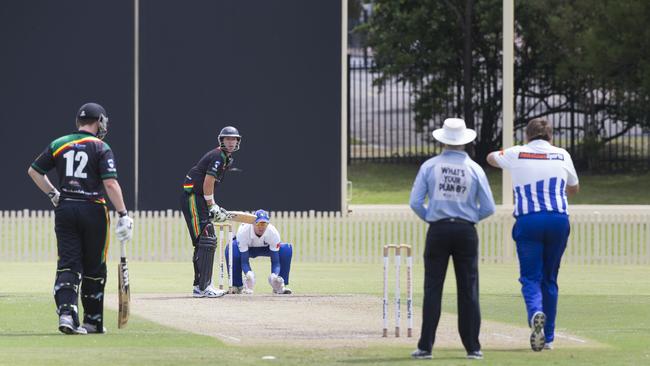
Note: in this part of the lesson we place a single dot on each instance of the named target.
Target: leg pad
(204, 257)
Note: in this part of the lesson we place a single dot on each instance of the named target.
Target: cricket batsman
(260, 239)
(86, 173)
(201, 210)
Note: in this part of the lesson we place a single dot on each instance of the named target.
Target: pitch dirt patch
(321, 321)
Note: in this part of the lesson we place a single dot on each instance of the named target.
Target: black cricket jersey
(215, 163)
(82, 162)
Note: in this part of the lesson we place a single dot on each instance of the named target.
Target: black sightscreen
(57, 55)
(270, 68)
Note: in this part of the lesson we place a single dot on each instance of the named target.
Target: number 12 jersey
(82, 162)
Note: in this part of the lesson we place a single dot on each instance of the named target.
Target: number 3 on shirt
(72, 156)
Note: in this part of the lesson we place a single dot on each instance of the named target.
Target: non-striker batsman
(86, 168)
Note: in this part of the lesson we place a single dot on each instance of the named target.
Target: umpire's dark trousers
(459, 240)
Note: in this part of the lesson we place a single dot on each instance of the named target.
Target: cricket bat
(241, 216)
(124, 293)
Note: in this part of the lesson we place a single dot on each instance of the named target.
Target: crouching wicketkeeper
(260, 239)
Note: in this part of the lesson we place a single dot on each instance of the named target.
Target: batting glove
(54, 196)
(217, 214)
(124, 228)
(223, 215)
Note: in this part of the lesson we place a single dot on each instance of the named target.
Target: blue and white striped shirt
(540, 175)
(456, 186)
(543, 195)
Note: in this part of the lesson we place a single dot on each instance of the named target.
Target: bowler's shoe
(537, 340)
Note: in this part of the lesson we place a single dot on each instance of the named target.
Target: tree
(596, 53)
(587, 57)
(449, 50)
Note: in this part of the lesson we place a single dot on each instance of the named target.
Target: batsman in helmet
(86, 173)
(201, 210)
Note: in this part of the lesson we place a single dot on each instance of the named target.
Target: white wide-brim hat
(454, 132)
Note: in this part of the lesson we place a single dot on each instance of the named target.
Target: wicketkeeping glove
(249, 280)
(277, 283)
(124, 228)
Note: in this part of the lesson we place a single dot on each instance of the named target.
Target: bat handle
(123, 249)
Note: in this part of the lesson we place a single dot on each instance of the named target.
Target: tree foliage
(590, 57)
(422, 43)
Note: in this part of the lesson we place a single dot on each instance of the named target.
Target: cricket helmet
(229, 131)
(94, 111)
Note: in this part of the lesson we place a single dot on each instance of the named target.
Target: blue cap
(261, 216)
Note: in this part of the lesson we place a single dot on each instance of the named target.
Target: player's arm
(505, 158)
(242, 245)
(274, 237)
(573, 184)
(218, 214)
(208, 189)
(211, 174)
(245, 261)
(37, 172)
(41, 180)
(275, 261)
(108, 174)
(571, 190)
(124, 228)
(114, 192)
(492, 160)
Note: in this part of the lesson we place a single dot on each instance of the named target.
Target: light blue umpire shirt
(456, 187)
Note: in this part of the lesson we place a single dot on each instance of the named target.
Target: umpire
(459, 196)
(85, 168)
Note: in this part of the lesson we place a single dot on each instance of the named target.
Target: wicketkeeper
(200, 210)
(260, 239)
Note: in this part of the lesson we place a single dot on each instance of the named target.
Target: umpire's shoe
(419, 354)
(537, 340)
(67, 326)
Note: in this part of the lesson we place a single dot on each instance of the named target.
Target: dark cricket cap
(91, 111)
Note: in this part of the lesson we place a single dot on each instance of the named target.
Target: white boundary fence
(599, 235)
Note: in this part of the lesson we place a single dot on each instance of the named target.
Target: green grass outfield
(608, 304)
(374, 183)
